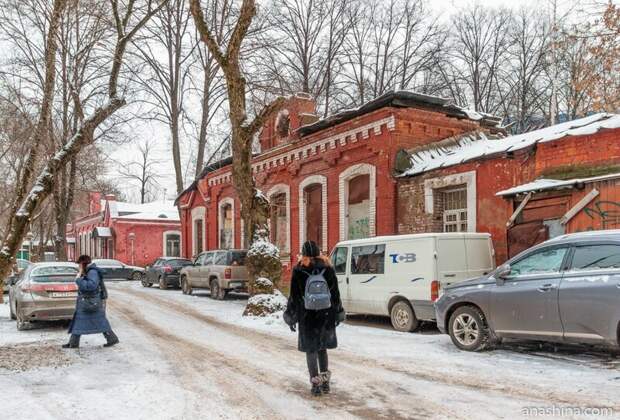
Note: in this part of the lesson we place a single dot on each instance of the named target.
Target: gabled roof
(478, 145)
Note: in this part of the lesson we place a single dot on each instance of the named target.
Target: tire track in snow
(189, 359)
(197, 356)
(526, 391)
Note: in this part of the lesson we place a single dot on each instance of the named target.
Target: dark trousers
(74, 340)
(316, 360)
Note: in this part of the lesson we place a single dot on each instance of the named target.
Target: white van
(401, 276)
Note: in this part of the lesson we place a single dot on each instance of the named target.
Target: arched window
(279, 217)
(313, 210)
(357, 201)
(226, 221)
(198, 230)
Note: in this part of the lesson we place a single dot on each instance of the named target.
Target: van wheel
(162, 283)
(185, 287)
(216, 291)
(468, 329)
(403, 318)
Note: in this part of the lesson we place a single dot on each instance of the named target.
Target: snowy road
(187, 357)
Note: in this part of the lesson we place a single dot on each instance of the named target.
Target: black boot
(316, 386)
(325, 377)
(111, 337)
(74, 342)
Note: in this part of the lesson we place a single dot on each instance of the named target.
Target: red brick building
(135, 234)
(522, 189)
(328, 180)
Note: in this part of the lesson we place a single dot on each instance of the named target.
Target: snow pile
(263, 282)
(266, 304)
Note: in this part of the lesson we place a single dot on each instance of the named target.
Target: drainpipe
(132, 237)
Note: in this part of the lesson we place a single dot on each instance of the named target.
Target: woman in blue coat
(89, 316)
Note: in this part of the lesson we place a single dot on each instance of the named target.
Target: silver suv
(220, 271)
(564, 290)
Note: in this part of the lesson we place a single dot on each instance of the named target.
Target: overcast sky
(120, 156)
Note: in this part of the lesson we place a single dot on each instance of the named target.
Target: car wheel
(216, 291)
(403, 318)
(13, 317)
(21, 323)
(468, 329)
(145, 282)
(136, 275)
(162, 283)
(185, 287)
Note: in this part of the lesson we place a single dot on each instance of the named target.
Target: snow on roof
(477, 145)
(156, 210)
(552, 184)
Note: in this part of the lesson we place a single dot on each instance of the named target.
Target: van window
(339, 260)
(369, 259)
(596, 257)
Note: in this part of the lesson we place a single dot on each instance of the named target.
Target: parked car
(401, 276)
(20, 265)
(566, 289)
(165, 272)
(116, 270)
(43, 292)
(220, 271)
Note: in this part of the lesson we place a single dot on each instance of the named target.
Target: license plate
(63, 294)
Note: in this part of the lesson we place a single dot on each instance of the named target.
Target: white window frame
(283, 189)
(314, 179)
(343, 186)
(198, 213)
(220, 204)
(165, 238)
(464, 178)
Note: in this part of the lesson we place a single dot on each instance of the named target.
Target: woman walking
(317, 327)
(89, 316)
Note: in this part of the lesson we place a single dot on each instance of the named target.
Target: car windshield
(54, 274)
(236, 257)
(179, 263)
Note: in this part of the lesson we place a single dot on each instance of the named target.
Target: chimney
(94, 202)
(298, 110)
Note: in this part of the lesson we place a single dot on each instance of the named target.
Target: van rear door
(451, 260)
(480, 256)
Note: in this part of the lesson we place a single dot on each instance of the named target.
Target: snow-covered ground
(190, 357)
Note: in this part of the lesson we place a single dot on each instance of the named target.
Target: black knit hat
(310, 249)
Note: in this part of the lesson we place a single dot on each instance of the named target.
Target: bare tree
(143, 171)
(84, 135)
(167, 53)
(479, 48)
(254, 206)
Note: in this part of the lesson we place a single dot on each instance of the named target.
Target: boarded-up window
(455, 210)
(279, 221)
(313, 196)
(226, 226)
(358, 207)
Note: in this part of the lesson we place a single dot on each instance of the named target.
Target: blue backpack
(317, 295)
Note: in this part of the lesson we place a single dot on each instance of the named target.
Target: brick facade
(363, 145)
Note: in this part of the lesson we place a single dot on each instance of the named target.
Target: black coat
(85, 322)
(316, 329)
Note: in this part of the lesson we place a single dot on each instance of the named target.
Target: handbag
(91, 303)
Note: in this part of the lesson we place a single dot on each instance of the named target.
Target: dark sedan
(564, 290)
(116, 270)
(165, 272)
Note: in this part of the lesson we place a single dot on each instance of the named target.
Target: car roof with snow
(592, 235)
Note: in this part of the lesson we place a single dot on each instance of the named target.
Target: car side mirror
(502, 273)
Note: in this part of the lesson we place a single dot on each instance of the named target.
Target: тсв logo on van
(408, 258)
